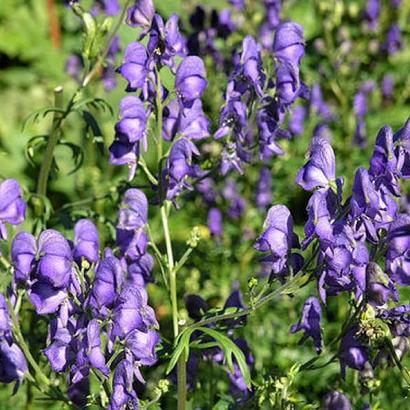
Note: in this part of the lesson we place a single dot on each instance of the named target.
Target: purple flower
(23, 252)
(277, 239)
(12, 205)
(95, 355)
(13, 364)
(264, 189)
(289, 42)
(251, 63)
(393, 40)
(387, 86)
(398, 251)
(110, 7)
(371, 13)
(135, 66)
(379, 287)
(5, 321)
(215, 222)
(55, 264)
(142, 346)
(296, 120)
(353, 353)
(46, 298)
(108, 280)
(196, 306)
(321, 210)
(87, 243)
(179, 166)
(123, 393)
(190, 80)
(171, 120)
(141, 14)
(402, 139)
(318, 104)
(123, 152)
(60, 352)
(133, 213)
(132, 312)
(310, 322)
(320, 170)
(193, 122)
(133, 119)
(336, 401)
(360, 135)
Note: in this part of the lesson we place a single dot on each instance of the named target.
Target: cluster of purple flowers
(352, 239)
(250, 94)
(97, 306)
(183, 118)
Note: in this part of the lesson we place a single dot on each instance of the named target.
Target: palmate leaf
(32, 145)
(95, 102)
(42, 112)
(77, 153)
(229, 348)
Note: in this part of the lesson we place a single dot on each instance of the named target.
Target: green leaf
(182, 343)
(77, 153)
(33, 144)
(230, 348)
(42, 112)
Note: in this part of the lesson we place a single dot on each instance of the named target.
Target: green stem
(101, 59)
(51, 144)
(159, 123)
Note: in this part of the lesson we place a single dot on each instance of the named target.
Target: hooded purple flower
(179, 166)
(74, 66)
(336, 401)
(193, 122)
(123, 152)
(108, 280)
(264, 189)
(379, 287)
(277, 239)
(141, 14)
(60, 351)
(133, 119)
(398, 251)
(372, 13)
(321, 211)
(13, 364)
(402, 139)
(123, 393)
(387, 86)
(12, 205)
(55, 264)
(132, 312)
(310, 322)
(94, 353)
(215, 224)
(318, 104)
(46, 298)
(133, 213)
(289, 42)
(251, 63)
(352, 352)
(320, 170)
(142, 346)
(135, 66)
(5, 328)
(23, 252)
(87, 243)
(393, 42)
(297, 120)
(190, 80)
